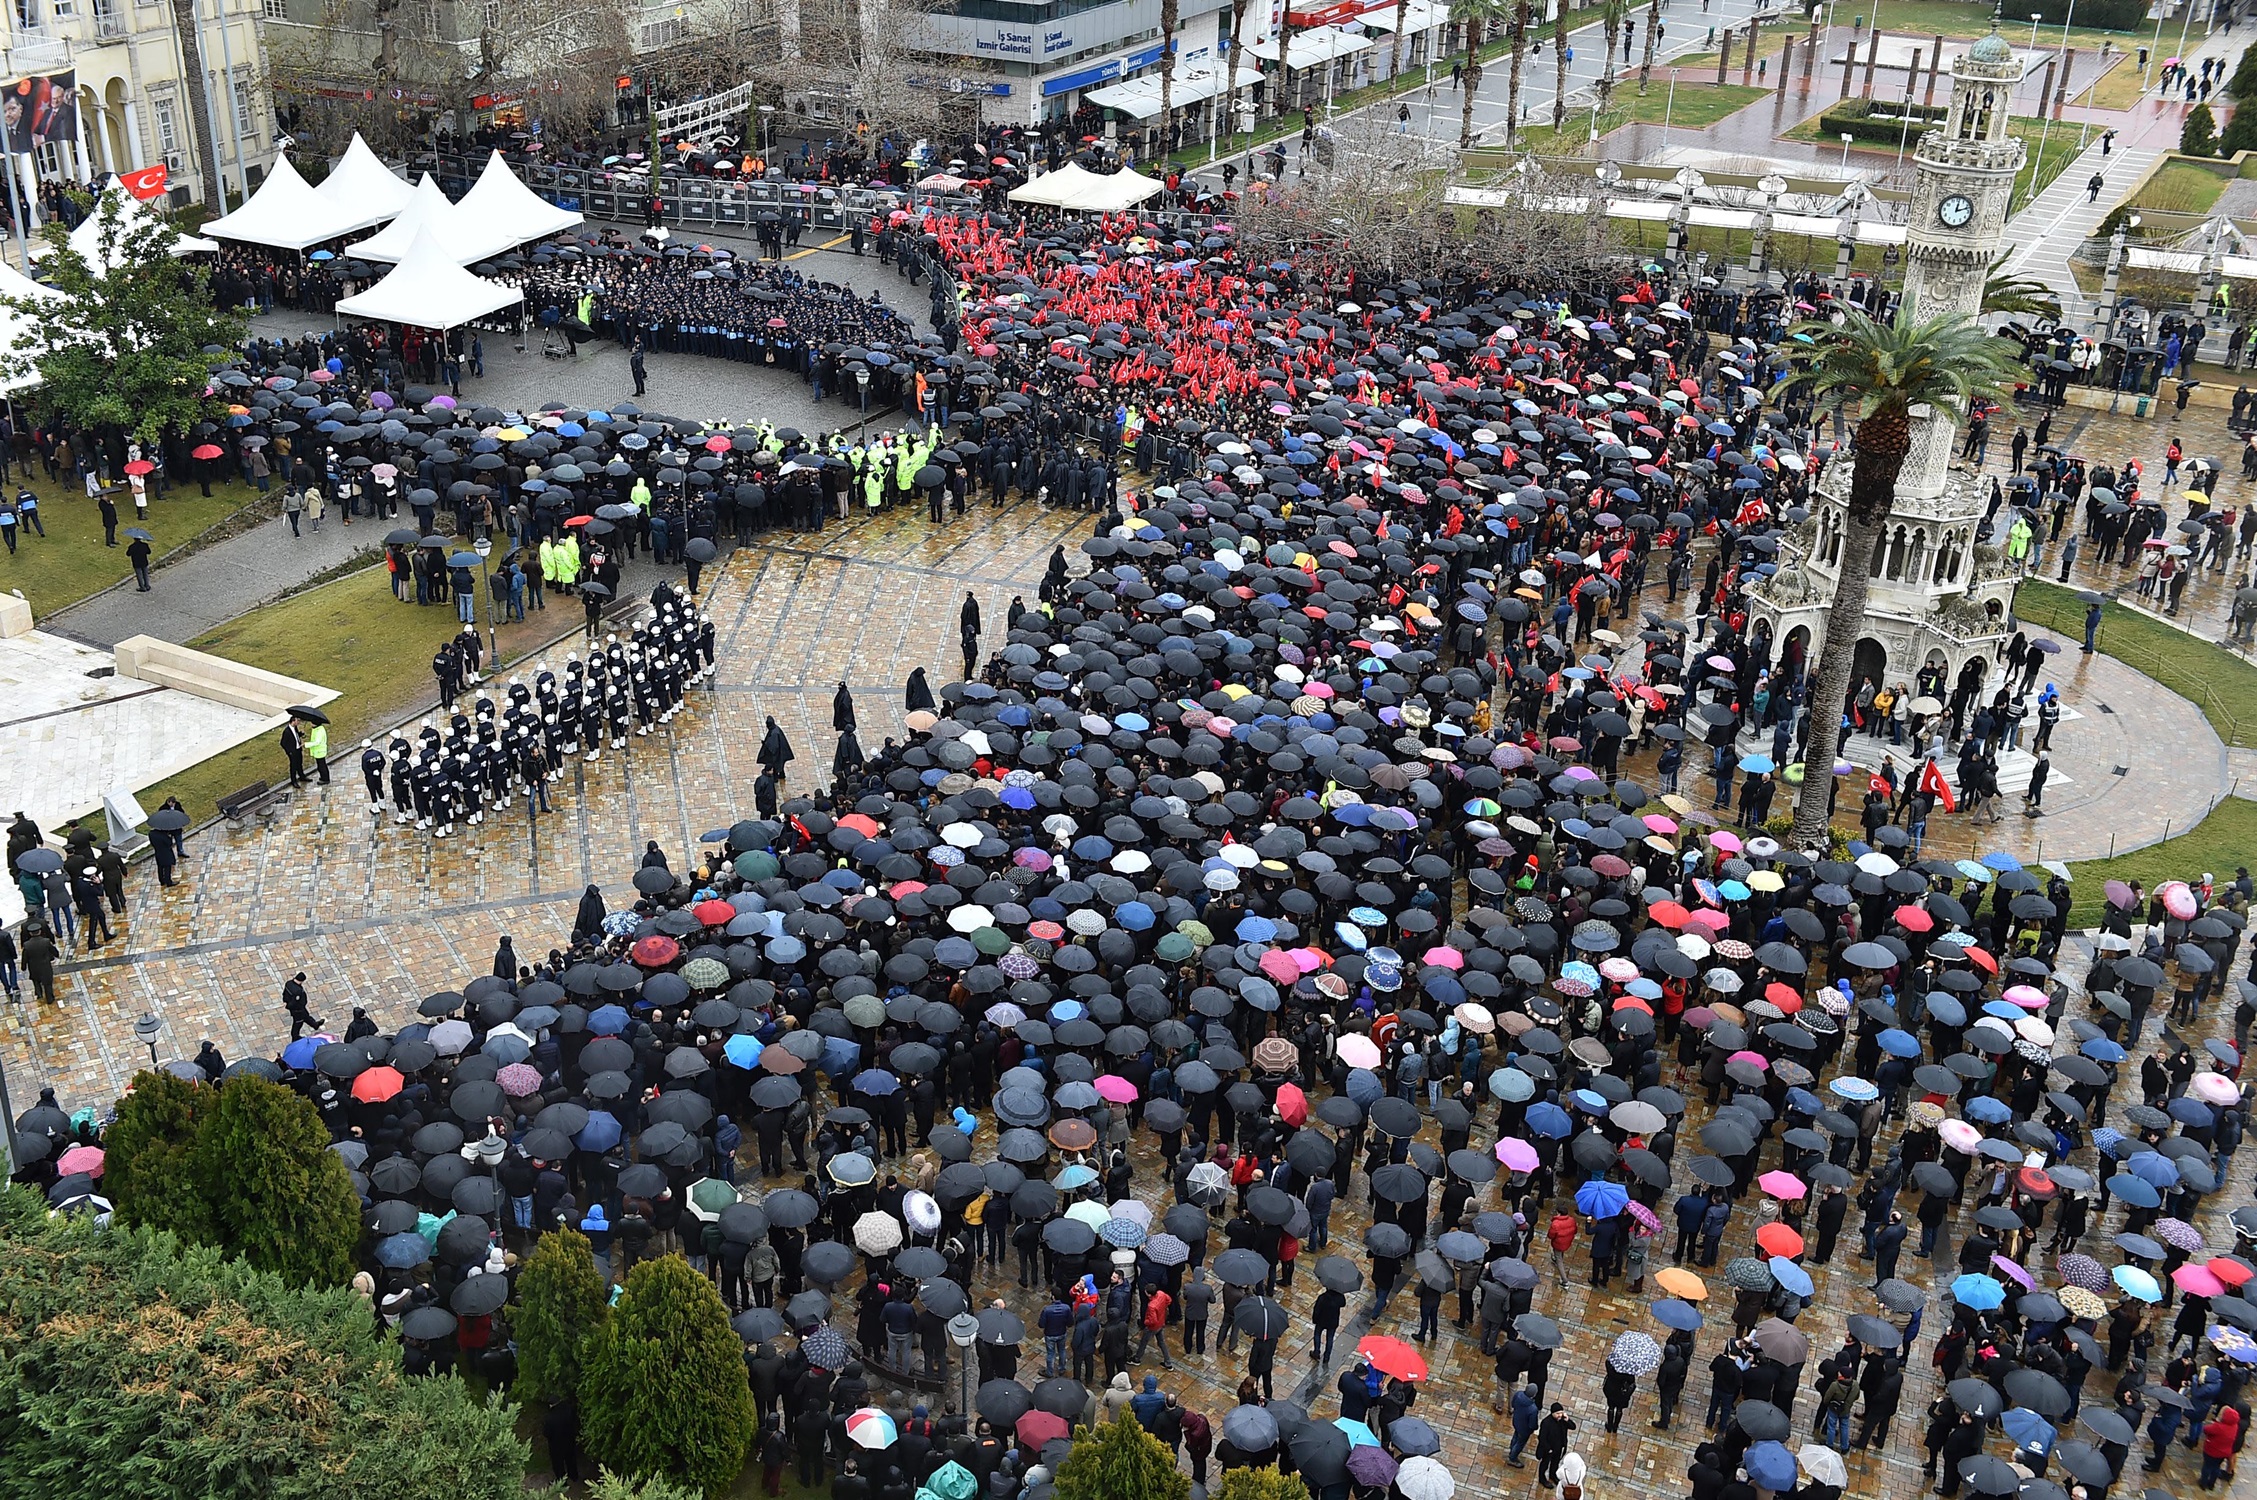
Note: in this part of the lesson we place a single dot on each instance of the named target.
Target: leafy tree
(134, 1367)
(2199, 135)
(147, 1156)
(1258, 1484)
(561, 1302)
(280, 1198)
(610, 1486)
(122, 349)
(1890, 368)
(662, 1388)
(1120, 1459)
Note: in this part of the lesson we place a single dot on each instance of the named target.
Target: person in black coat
(561, 1429)
(589, 920)
(775, 750)
(919, 695)
(1619, 1386)
(842, 709)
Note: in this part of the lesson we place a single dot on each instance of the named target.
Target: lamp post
(1846, 139)
(2034, 19)
(1771, 185)
(2108, 280)
(1610, 177)
(964, 1332)
(767, 130)
(1689, 181)
(1854, 199)
(484, 547)
(862, 384)
(146, 1030)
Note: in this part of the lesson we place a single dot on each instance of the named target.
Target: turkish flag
(144, 183)
(1932, 780)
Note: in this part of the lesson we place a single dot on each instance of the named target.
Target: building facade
(1939, 594)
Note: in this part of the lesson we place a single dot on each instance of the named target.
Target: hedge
(2094, 15)
(1860, 118)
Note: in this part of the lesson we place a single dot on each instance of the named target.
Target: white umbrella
(1874, 862)
(877, 1233)
(1133, 1210)
(1421, 1478)
(1092, 1214)
(960, 835)
(1822, 1464)
(970, 918)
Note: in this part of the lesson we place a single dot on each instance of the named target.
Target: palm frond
(1941, 362)
(2017, 295)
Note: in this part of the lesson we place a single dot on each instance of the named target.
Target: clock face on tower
(1955, 211)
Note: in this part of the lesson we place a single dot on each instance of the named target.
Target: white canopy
(13, 283)
(1417, 17)
(285, 214)
(1072, 187)
(1312, 46)
(428, 211)
(1123, 189)
(363, 187)
(133, 216)
(1193, 85)
(429, 289)
(1057, 188)
(498, 205)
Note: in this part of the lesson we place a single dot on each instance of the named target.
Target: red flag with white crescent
(144, 183)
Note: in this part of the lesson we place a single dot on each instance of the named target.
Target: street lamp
(862, 384)
(2034, 19)
(1854, 199)
(484, 547)
(146, 1031)
(2115, 268)
(1771, 185)
(767, 130)
(1846, 139)
(964, 1332)
(1689, 181)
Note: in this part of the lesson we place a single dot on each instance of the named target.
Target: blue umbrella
(2153, 1168)
(299, 1054)
(1898, 1042)
(1548, 1119)
(2000, 860)
(1252, 929)
(744, 1051)
(401, 1252)
(600, 1134)
(607, 1020)
(1512, 1085)
(1122, 1234)
(1359, 1436)
(2137, 1283)
(1133, 916)
(1682, 1316)
(1770, 1466)
(875, 1081)
(840, 1055)
(1982, 1293)
(2102, 1050)
(1791, 1276)
(1987, 1111)
(1599, 1198)
(2028, 1429)
(2138, 1192)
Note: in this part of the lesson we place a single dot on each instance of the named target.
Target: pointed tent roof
(13, 283)
(363, 187)
(428, 289)
(285, 214)
(500, 205)
(133, 214)
(428, 210)
(1063, 186)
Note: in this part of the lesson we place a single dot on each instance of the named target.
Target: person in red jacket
(1156, 1327)
(1561, 1232)
(2218, 1444)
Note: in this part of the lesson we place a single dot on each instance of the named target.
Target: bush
(1258, 1484)
(1865, 120)
(147, 1152)
(280, 1198)
(2240, 133)
(1120, 1459)
(2243, 84)
(133, 1367)
(561, 1302)
(663, 1390)
(2100, 15)
(610, 1486)
(2199, 136)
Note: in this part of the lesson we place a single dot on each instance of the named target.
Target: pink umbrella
(1516, 1154)
(87, 1159)
(2195, 1281)
(1708, 918)
(1308, 960)
(1728, 842)
(1357, 1051)
(2213, 1088)
(1645, 1216)
(1960, 1136)
(1660, 824)
(1279, 965)
(1443, 956)
(2026, 997)
(2177, 899)
(1785, 1186)
(2014, 1273)
(1752, 1059)
(519, 1080)
(1618, 969)
(1114, 1089)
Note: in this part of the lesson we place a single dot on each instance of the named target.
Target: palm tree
(1522, 10)
(1474, 13)
(1889, 368)
(1395, 56)
(199, 105)
(1168, 19)
(1653, 32)
(2017, 295)
(1230, 66)
(1559, 69)
(1611, 15)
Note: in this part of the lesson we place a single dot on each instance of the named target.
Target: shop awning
(1312, 48)
(1415, 20)
(1193, 85)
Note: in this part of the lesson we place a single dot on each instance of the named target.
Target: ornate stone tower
(1937, 594)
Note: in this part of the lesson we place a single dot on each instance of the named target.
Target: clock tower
(1962, 186)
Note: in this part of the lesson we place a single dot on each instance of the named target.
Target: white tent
(1059, 188)
(133, 216)
(1123, 189)
(13, 283)
(363, 187)
(1194, 84)
(428, 211)
(498, 205)
(1070, 187)
(428, 289)
(285, 214)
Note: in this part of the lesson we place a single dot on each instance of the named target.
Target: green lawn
(353, 636)
(1697, 104)
(2220, 683)
(2220, 842)
(70, 562)
(2180, 188)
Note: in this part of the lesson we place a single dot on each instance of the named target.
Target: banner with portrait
(40, 110)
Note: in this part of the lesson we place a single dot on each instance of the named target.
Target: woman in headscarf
(846, 764)
(920, 694)
(589, 922)
(775, 750)
(842, 709)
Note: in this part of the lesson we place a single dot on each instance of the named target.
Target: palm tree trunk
(1653, 30)
(1168, 19)
(1395, 57)
(1230, 66)
(1520, 52)
(1472, 80)
(199, 105)
(1881, 442)
(1559, 69)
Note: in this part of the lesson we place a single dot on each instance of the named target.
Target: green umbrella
(952, 1481)
(1175, 948)
(756, 865)
(992, 941)
(865, 1010)
(709, 1195)
(1198, 932)
(706, 973)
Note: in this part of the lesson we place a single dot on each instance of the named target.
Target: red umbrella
(1786, 997)
(1292, 1105)
(714, 913)
(204, 450)
(140, 466)
(377, 1084)
(1393, 1357)
(579, 520)
(1779, 1239)
(1038, 1427)
(655, 951)
(717, 444)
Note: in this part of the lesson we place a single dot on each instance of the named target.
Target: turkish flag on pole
(144, 183)
(1932, 780)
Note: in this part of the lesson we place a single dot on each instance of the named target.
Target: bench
(236, 805)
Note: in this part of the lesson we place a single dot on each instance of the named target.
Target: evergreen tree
(662, 1387)
(610, 1486)
(1120, 1459)
(147, 1151)
(2199, 135)
(280, 1198)
(1258, 1484)
(561, 1302)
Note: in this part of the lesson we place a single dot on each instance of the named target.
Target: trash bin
(2141, 409)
